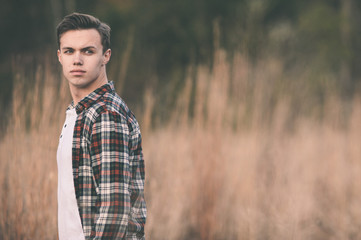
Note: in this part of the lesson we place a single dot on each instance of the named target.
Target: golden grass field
(231, 172)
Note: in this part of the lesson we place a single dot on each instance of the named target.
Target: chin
(80, 83)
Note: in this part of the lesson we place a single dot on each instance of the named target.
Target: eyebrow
(83, 49)
(87, 48)
(66, 48)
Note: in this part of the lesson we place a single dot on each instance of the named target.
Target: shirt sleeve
(116, 161)
(137, 217)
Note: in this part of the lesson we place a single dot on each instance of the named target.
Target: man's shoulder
(113, 105)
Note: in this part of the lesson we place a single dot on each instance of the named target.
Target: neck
(78, 92)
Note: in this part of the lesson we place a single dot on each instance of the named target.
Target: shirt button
(61, 136)
(65, 126)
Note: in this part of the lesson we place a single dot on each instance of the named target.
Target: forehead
(80, 38)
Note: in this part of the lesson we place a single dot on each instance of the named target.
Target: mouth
(77, 72)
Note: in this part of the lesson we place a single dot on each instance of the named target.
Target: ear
(106, 56)
(59, 56)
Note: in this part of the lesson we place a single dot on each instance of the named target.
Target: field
(236, 160)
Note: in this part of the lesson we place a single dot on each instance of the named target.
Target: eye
(89, 52)
(68, 51)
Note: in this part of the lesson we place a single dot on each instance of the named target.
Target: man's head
(83, 53)
(78, 21)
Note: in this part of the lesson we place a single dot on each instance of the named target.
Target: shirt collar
(91, 98)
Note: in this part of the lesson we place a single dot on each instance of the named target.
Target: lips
(77, 72)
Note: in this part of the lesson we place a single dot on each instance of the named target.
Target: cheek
(98, 63)
(65, 66)
(63, 61)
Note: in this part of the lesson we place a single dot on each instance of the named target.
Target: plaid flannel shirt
(108, 167)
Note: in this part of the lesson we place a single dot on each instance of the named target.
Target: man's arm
(112, 173)
(138, 212)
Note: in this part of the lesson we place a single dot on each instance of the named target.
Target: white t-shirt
(69, 222)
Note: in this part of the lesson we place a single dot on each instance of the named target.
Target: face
(82, 58)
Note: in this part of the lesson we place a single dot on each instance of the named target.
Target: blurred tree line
(163, 37)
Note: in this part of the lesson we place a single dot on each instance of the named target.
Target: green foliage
(168, 36)
(319, 36)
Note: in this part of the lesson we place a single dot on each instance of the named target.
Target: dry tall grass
(234, 170)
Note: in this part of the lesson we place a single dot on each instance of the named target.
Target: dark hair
(78, 21)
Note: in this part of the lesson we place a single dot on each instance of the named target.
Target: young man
(100, 160)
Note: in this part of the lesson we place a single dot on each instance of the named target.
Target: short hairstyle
(79, 21)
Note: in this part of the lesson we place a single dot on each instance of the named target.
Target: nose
(78, 60)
